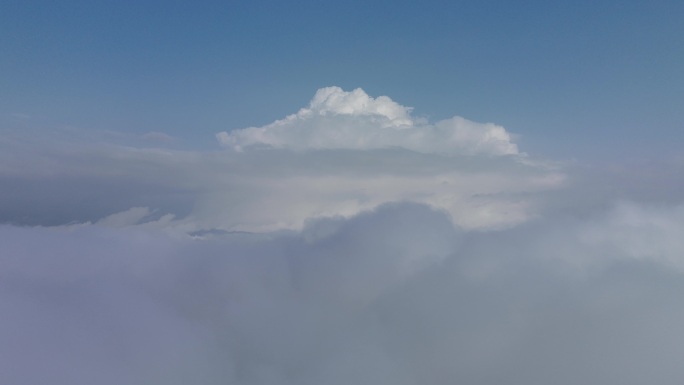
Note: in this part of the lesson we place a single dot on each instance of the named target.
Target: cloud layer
(393, 296)
(344, 154)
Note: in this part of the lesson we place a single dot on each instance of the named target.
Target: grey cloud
(393, 296)
(52, 183)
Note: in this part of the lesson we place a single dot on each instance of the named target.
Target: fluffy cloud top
(336, 119)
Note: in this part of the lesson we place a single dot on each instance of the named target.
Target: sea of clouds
(348, 243)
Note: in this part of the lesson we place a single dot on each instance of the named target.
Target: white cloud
(387, 251)
(264, 190)
(336, 119)
(132, 216)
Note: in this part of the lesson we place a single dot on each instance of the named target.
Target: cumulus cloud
(349, 243)
(281, 188)
(336, 119)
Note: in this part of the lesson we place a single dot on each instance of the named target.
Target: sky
(572, 78)
(372, 193)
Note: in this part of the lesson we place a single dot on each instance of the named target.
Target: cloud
(348, 243)
(158, 137)
(397, 295)
(55, 181)
(649, 233)
(336, 119)
(129, 217)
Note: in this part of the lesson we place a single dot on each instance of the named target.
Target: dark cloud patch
(59, 200)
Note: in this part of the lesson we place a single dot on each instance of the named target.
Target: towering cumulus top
(336, 119)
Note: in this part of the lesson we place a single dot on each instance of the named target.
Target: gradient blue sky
(574, 78)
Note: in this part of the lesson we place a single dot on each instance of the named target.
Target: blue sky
(573, 78)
